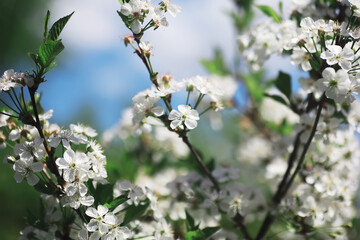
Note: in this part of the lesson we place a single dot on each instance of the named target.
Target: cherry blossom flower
(25, 169)
(101, 220)
(335, 84)
(338, 55)
(185, 115)
(73, 164)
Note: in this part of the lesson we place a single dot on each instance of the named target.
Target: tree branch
(283, 189)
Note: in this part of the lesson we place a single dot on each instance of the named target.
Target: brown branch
(201, 163)
(269, 219)
(51, 161)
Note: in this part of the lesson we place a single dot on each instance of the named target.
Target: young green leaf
(190, 222)
(35, 58)
(116, 202)
(57, 27)
(46, 24)
(269, 12)
(216, 65)
(283, 83)
(48, 51)
(195, 235)
(254, 86)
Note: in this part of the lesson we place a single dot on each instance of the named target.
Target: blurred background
(96, 76)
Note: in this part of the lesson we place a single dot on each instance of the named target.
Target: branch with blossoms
(296, 151)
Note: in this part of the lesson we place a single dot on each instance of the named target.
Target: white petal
(103, 228)
(69, 155)
(328, 73)
(91, 212)
(62, 163)
(136, 26)
(82, 189)
(19, 177)
(110, 219)
(174, 124)
(87, 201)
(184, 108)
(344, 64)
(95, 236)
(193, 114)
(174, 115)
(37, 166)
(54, 142)
(190, 124)
(157, 111)
(32, 179)
(92, 225)
(102, 210)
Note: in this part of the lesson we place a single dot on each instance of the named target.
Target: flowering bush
(297, 157)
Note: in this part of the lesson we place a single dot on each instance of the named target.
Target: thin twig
(201, 163)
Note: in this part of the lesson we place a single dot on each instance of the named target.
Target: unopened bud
(128, 39)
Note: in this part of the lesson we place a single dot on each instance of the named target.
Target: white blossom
(185, 115)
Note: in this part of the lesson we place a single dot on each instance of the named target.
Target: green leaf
(283, 83)
(116, 202)
(48, 51)
(315, 65)
(57, 27)
(133, 212)
(253, 85)
(46, 24)
(216, 65)
(126, 19)
(44, 187)
(195, 235)
(103, 194)
(34, 57)
(123, 1)
(269, 12)
(51, 66)
(277, 98)
(190, 222)
(210, 231)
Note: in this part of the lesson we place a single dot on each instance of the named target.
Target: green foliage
(216, 65)
(48, 51)
(57, 28)
(277, 98)
(123, 1)
(195, 235)
(46, 23)
(134, 212)
(193, 231)
(45, 187)
(51, 46)
(103, 193)
(315, 65)
(36, 218)
(254, 86)
(190, 222)
(241, 21)
(283, 83)
(284, 128)
(126, 19)
(269, 12)
(116, 202)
